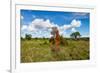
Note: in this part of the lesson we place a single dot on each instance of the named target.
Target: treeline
(73, 36)
(63, 41)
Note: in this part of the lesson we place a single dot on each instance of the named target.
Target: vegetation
(28, 36)
(75, 35)
(38, 50)
(63, 41)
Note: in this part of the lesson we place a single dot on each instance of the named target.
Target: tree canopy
(75, 35)
(28, 36)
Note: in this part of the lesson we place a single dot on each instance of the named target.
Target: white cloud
(73, 30)
(76, 23)
(43, 26)
(73, 25)
(39, 24)
(24, 27)
(65, 27)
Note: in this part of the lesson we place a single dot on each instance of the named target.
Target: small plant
(63, 41)
(45, 42)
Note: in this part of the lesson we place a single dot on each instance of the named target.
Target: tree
(28, 36)
(75, 35)
(22, 38)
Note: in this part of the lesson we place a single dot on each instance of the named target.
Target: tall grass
(38, 50)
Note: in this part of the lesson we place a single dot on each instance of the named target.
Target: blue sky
(37, 22)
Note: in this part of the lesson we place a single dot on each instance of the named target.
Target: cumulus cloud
(23, 27)
(75, 23)
(38, 25)
(41, 24)
(65, 27)
(73, 30)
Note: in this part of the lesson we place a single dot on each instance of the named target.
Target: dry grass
(38, 50)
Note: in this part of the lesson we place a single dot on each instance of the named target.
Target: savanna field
(38, 50)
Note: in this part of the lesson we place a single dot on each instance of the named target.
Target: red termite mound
(55, 39)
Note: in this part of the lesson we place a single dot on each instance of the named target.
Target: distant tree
(28, 36)
(75, 35)
(43, 38)
(35, 38)
(22, 38)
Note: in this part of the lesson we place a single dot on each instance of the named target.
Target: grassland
(38, 50)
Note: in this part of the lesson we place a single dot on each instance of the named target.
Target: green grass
(38, 50)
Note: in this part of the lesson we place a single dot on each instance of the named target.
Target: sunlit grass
(39, 51)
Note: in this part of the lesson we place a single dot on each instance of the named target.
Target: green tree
(22, 38)
(28, 36)
(75, 35)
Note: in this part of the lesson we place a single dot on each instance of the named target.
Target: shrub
(63, 41)
(28, 36)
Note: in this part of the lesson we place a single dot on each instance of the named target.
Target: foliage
(63, 41)
(28, 36)
(22, 38)
(75, 35)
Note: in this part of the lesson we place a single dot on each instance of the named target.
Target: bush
(45, 42)
(28, 36)
(22, 38)
(63, 41)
